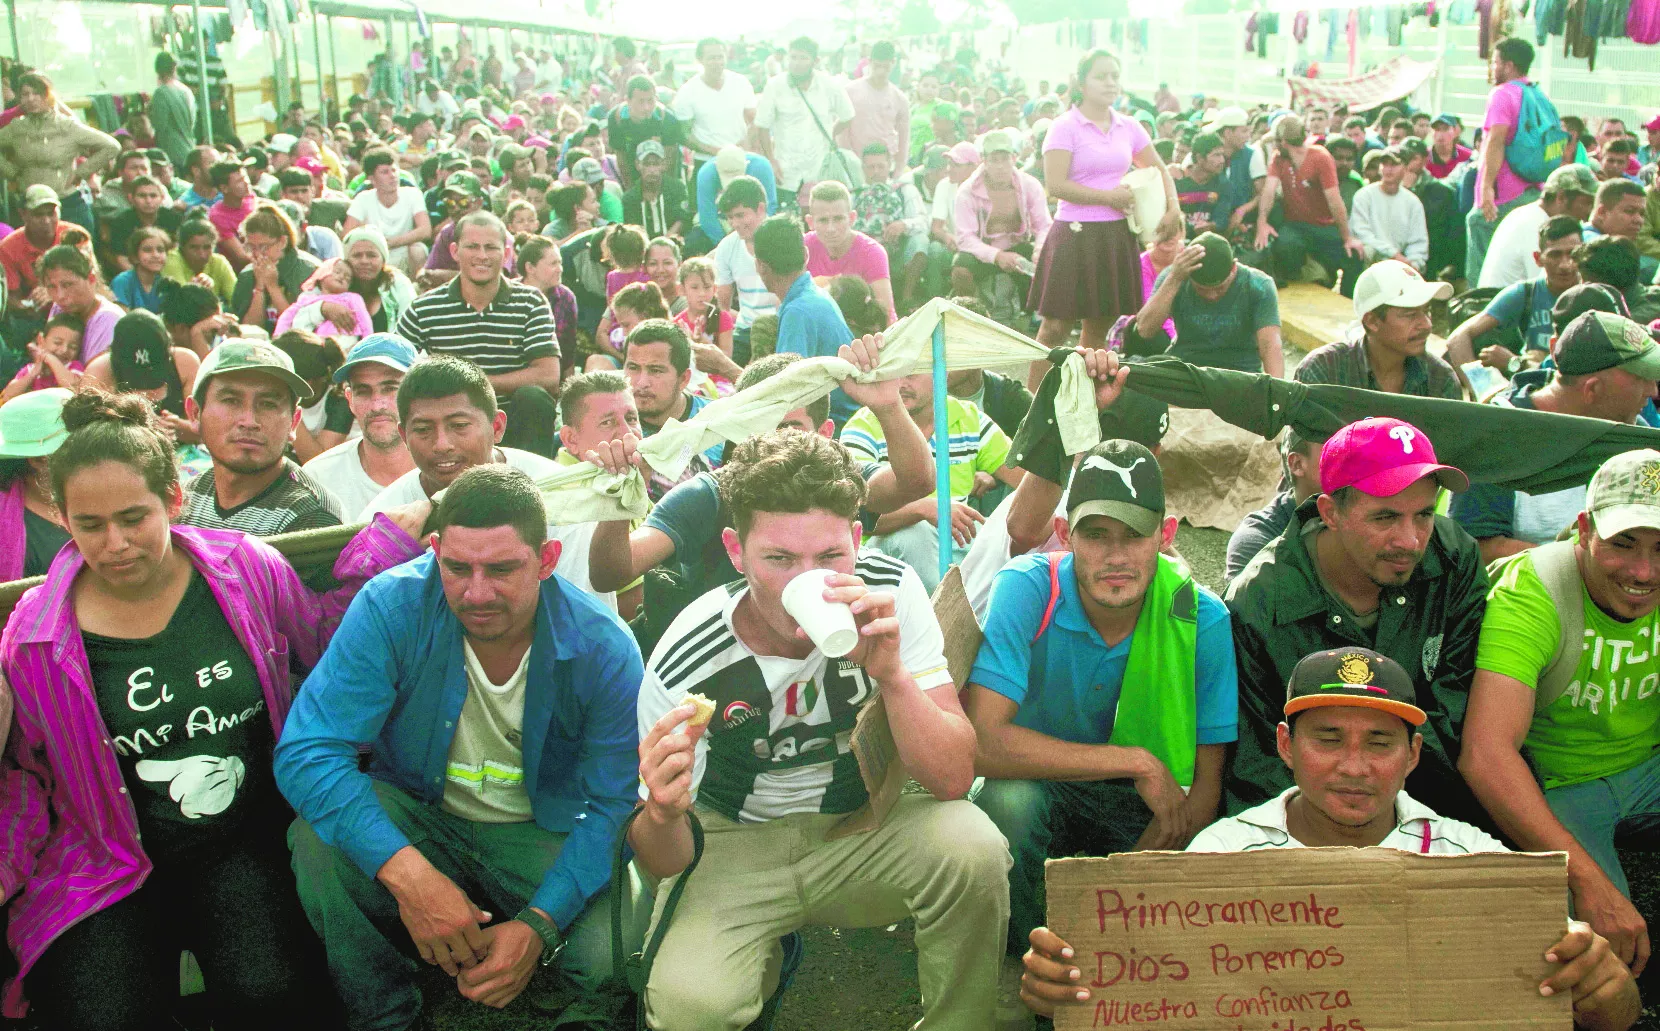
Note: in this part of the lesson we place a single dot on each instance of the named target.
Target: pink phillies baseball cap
(311, 165)
(1653, 124)
(513, 122)
(1382, 457)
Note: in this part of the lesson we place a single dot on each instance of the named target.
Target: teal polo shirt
(1067, 684)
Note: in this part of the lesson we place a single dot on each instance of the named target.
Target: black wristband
(552, 941)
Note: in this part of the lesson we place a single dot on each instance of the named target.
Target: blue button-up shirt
(396, 676)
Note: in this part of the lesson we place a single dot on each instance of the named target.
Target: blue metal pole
(942, 449)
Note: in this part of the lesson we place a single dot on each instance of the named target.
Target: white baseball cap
(1398, 285)
(283, 143)
(1226, 118)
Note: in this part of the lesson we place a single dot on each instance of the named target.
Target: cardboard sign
(1318, 939)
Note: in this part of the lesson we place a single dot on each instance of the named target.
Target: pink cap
(1653, 124)
(964, 153)
(1382, 457)
(515, 122)
(548, 98)
(311, 165)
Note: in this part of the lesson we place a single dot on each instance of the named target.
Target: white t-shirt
(797, 140)
(716, 115)
(735, 267)
(1510, 253)
(484, 777)
(1418, 828)
(391, 221)
(340, 469)
(574, 538)
(781, 724)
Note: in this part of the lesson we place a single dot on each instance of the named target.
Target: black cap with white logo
(1119, 479)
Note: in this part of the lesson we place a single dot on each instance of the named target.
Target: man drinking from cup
(773, 771)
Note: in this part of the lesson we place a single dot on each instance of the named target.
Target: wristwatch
(553, 943)
(1517, 364)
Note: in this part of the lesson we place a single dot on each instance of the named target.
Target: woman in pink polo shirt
(1090, 265)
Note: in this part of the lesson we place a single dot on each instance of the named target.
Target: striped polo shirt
(515, 329)
(977, 444)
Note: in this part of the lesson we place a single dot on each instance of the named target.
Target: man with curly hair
(773, 773)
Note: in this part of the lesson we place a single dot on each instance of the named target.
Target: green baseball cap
(241, 354)
(31, 425)
(1218, 261)
(1624, 494)
(1598, 340)
(464, 183)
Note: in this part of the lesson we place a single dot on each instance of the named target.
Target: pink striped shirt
(68, 832)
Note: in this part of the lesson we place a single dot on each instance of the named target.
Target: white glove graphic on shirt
(203, 785)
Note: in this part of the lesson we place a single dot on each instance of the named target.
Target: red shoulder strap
(1054, 595)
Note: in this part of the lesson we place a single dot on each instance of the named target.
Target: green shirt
(977, 444)
(1608, 720)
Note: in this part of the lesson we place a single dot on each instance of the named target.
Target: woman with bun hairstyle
(1090, 267)
(151, 676)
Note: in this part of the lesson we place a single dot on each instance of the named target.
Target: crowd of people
(408, 314)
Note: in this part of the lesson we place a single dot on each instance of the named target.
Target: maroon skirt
(1087, 270)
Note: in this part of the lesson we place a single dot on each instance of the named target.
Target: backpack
(1557, 570)
(1538, 142)
(1471, 303)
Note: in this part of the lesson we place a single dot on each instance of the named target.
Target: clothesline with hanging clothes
(584, 492)
(1392, 80)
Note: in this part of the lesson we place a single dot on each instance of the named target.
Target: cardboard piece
(879, 766)
(1328, 939)
(1216, 474)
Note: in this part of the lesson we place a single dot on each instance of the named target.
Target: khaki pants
(943, 863)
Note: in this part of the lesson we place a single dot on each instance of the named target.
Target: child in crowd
(326, 418)
(624, 249)
(331, 284)
(632, 305)
(55, 361)
(703, 320)
(142, 284)
(1155, 260)
(521, 218)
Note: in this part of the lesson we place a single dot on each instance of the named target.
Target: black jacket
(1430, 626)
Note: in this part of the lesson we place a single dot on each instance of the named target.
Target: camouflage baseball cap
(464, 183)
(1598, 340)
(1625, 494)
(1572, 179)
(242, 354)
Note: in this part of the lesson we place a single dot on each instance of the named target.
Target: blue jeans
(1047, 819)
(1624, 807)
(499, 866)
(918, 546)
(1296, 242)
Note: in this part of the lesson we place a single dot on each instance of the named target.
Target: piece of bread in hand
(705, 709)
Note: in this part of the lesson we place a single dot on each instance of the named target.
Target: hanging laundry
(1642, 25)
(1576, 40)
(1333, 20)
(1251, 33)
(1299, 26)
(1352, 32)
(1612, 23)
(1395, 25)
(1484, 35)
(1549, 19)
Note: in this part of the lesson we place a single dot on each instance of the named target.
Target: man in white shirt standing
(1388, 220)
(357, 470)
(799, 114)
(398, 211)
(718, 108)
(1350, 739)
